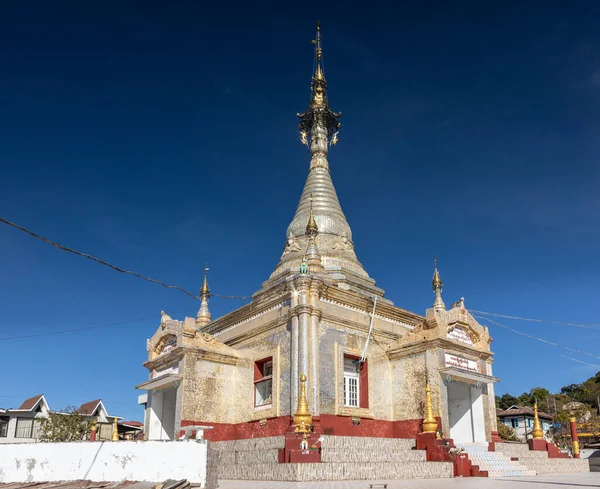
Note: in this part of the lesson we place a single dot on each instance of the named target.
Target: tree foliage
(66, 426)
(506, 432)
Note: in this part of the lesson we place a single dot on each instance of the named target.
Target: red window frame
(363, 380)
(260, 377)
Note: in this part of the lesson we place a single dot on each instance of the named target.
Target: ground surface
(566, 481)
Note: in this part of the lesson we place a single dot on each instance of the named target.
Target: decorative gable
(463, 334)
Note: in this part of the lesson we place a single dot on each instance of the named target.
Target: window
(356, 382)
(529, 423)
(351, 382)
(4, 426)
(263, 382)
(27, 428)
(514, 422)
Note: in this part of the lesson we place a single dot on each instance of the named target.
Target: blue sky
(162, 136)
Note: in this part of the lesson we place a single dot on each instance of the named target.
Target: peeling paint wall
(153, 461)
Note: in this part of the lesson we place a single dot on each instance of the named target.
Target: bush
(506, 432)
(67, 426)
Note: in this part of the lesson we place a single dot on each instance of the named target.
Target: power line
(538, 339)
(565, 323)
(118, 269)
(49, 333)
(580, 361)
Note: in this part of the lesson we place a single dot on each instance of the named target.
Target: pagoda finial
(537, 431)
(437, 286)
(318, 125)
(429, 423)
(311, 227)
(302, 417)
(203, 316)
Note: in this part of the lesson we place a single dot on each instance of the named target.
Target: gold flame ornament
(429, 423)
(302, 418)
(537, 432)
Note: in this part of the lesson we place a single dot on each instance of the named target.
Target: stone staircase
(539, 461)
(496, 464)
(343, 458)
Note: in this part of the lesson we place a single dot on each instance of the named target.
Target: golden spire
(203, 316)
(537, 432)
(437, 281)
(429, 423)
(204, 291)
(302, 417)
(311, 228)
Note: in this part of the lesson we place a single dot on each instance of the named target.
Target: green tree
(506, 401)
(66, 426)
(506, 432)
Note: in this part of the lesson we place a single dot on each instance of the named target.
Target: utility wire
(565, 323)
(118, 269)
(579, 361)
(536, 338)
(49, 333)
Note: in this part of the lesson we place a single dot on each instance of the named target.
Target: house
(22, 425)
(520, 419)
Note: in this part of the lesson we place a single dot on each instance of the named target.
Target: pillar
(574, 437)
(315, 320)
(304, 309)
(294, 352)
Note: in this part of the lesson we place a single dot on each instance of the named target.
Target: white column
(294, 354)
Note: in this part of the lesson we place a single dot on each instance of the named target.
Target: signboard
(459, 334)
(461, 363)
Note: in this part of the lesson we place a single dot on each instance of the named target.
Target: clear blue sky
(160, 136)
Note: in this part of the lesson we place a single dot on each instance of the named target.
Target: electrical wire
(564, 323)
(536, 338)
(49, 333)
(118, 269)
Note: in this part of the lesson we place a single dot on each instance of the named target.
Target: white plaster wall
(153, 461)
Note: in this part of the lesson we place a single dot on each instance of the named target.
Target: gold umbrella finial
(437, 281)
(429, 423)
(302, 417)
(537, 432)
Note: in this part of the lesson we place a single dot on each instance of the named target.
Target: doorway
(465, 413)
(162, 414)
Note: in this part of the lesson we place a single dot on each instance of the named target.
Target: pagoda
(319, 328)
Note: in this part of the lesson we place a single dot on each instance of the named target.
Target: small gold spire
(204, 291)
(429, 423)
(437, 281)
(537, 432)
(311, 228)
(115, 433)
(302, 417)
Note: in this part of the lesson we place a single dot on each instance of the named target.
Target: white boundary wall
(153, 461)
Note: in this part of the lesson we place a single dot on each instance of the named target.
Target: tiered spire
(319, 204)
(436, 286)
(203, 316)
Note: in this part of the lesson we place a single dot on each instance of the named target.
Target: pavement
(584, 480)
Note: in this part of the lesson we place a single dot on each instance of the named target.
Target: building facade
(521, 418)
(366, 360)
(22, 425)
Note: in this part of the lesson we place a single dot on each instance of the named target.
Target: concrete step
(557, 465)
(249, 444)
(498, 464)
(367, 443)
(336, 471)
(328, 455)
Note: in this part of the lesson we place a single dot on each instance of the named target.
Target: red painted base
(329, 424)
(294, 453)
(496, 437)
(544, 446)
